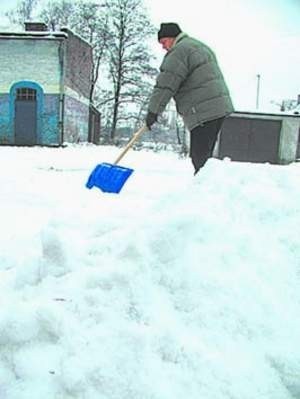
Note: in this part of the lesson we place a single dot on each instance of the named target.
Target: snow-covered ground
(178, 287)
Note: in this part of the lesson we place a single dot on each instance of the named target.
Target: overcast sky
(249, 37)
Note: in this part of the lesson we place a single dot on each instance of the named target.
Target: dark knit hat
(169, 29)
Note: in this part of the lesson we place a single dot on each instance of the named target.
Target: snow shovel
(110, 178)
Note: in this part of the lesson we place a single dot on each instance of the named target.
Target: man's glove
(150, 119)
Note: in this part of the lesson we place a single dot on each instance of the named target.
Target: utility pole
(257, 91)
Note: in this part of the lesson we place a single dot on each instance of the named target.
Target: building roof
(33, 34)
(268, 114)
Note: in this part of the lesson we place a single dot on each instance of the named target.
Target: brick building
(44, 88)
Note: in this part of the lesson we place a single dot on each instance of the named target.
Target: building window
(26, 94)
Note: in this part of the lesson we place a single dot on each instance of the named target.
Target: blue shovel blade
(108, 177)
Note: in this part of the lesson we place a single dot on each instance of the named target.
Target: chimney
(298, 99)
(35, 27)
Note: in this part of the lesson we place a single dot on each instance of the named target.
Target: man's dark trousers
(203, 140)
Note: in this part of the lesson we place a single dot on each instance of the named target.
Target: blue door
(25, 116)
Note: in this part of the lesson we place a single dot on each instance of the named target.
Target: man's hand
(151, 118)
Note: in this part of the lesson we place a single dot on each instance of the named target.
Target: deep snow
(178, 287)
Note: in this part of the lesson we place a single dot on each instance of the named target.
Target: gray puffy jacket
(190, 74)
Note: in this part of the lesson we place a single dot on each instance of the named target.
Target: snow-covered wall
(289, 137)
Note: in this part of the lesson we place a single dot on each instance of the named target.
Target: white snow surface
(178, 287)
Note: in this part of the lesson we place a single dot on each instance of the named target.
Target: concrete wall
(76, 118)
(289, 137)
(6, 135)
(51, 134)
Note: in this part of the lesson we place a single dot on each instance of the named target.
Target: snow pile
(178, 287)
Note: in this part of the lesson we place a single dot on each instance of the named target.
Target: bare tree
(128, 58)
(57, 13)
(22, 12)
(286, 105)
(91, 22)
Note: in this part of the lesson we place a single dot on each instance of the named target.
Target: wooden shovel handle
(135, 136)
